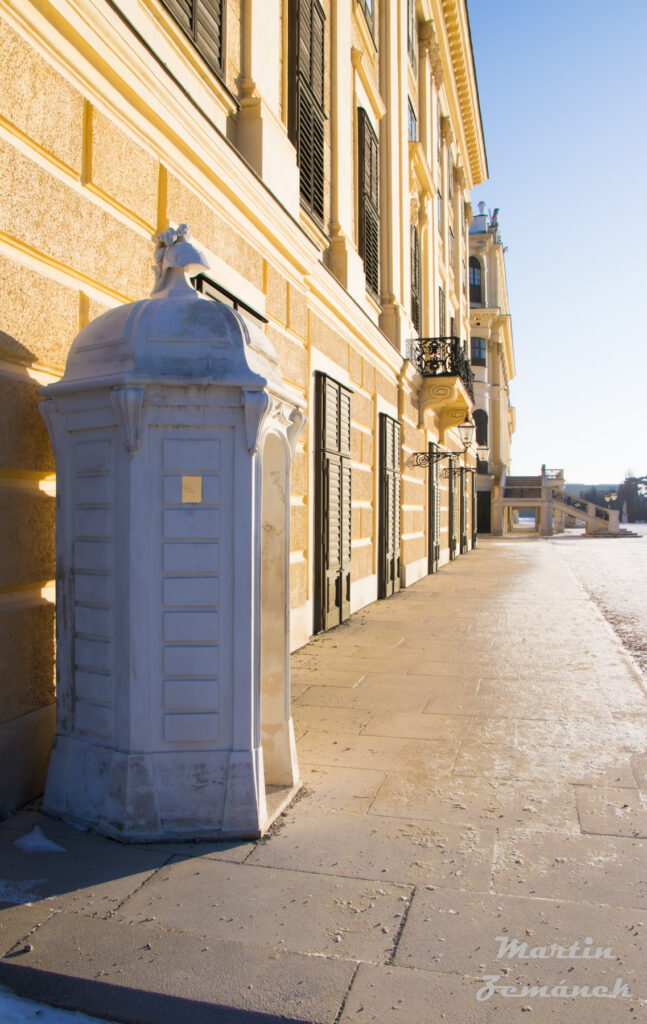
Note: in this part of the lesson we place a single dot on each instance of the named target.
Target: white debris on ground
(14, 1010)
(614, 573)
(24, 892)
(36, 842)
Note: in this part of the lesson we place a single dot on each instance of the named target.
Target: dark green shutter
(369, 201)
(306, 114)
(390, 533)
(333, 522)
(433, 552)
(202, 20)
(462, 481)
(415, 279)
(453, 509)
(474, 508)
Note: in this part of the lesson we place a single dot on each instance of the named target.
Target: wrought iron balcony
(442, 357)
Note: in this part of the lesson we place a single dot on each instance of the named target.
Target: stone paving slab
(612, 812)
(463, 800)
(17, 922)
(639, 769)
(324, 676)
(435, 726)
(291, 910)
(393, 850)
(465, 933)
(382, 752)
(391, 995)
(148, 975)
(336, 789)
(333, 720)
(385, 697)
(544, 762)
(555, 865)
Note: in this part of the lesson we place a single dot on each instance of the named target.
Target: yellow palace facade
(322, 153)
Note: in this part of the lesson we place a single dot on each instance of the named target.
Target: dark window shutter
(317, 54)
(442, 314)
(390, 493)
(480, 418)
(412, 33)
(369, 201)
(306, 113)
(333, 515)
(415, 279)
(203, 22)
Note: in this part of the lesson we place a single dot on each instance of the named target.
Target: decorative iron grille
(522, 492)
(442, 357)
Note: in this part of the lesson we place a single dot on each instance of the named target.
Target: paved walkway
(473, 753)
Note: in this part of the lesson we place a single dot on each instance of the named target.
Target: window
(369, 201)
(476, 291)
(450, 176)
(415, 279)
(479, 349)
(439, 134)
(451, 247)
(215, 291)
(480, 420)
(440, 212)
(412, 33)
(442, 314)
(203, 22)
(452, 328)
(369, 13)
(306, 109)
(413, 122)
(464, 277)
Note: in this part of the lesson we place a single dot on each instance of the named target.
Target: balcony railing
(442, 357)
(522, 492)
(568, 499)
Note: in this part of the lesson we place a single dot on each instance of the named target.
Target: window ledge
(313, 229)
(186, 52)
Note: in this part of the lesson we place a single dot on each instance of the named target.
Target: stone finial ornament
(175, 257)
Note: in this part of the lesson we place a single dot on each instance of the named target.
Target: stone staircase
(599, 521)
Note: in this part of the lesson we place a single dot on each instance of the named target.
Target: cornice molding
(458, 40)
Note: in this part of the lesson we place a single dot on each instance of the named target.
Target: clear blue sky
(563, 89)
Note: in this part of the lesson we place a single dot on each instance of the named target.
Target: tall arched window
(476, 290)
(480, 420)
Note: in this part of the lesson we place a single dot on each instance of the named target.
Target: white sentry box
(173, 435)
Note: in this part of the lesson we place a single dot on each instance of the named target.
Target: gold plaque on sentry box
(192, 489)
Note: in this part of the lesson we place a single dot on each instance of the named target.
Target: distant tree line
(632, 499)
(629, 497)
